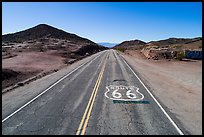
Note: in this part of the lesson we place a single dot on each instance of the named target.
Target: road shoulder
(178, 85)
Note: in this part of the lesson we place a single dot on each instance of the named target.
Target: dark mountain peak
(43, 25)
(44, 37)
(46, 28)
(42, 31)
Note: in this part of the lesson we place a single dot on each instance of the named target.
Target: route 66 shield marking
(125, 93)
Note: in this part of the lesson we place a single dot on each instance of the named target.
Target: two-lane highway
(103, 96)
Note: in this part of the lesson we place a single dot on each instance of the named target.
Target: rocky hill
(132, 44)
(173, 41)
(44, 37)
(179, 43)
(42, 31)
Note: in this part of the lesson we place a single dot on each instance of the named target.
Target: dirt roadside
(177, 84)
(28, 64)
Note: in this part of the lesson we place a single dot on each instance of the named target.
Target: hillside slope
(42, 31)
(132, 44)
(172, 41)
(180, 43)
(45, 37)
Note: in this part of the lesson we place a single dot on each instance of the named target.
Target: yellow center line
(91, 101)
(81, 123)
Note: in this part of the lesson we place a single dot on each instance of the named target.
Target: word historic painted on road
(125, 93)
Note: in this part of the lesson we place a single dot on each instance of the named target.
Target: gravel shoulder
(177, 84)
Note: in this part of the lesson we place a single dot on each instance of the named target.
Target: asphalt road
(101, 97)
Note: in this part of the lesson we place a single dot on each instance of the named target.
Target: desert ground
(28, 64)
(176, 84)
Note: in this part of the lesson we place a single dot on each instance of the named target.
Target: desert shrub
(66, 61)
(73, 56)
(176, 46)
(180, 55)
(153, 46)
(121, 49)
(7, 74)
(4, 49)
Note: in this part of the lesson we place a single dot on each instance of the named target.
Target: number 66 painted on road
(130, 96)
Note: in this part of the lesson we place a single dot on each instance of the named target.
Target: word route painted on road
(123, 93)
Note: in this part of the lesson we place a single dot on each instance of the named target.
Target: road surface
(103, 96)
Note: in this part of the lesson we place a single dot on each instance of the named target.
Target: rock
(21, 84)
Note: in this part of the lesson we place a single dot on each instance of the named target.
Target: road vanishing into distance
(102, 96)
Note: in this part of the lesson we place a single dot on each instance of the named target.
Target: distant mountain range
(107, 44)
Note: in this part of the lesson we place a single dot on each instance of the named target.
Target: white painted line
(174, 124)
(46, 90)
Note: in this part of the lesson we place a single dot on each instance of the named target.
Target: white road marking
(116, 94)
(174, 124)
(46, 90)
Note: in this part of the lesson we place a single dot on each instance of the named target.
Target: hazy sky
(108, 21)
